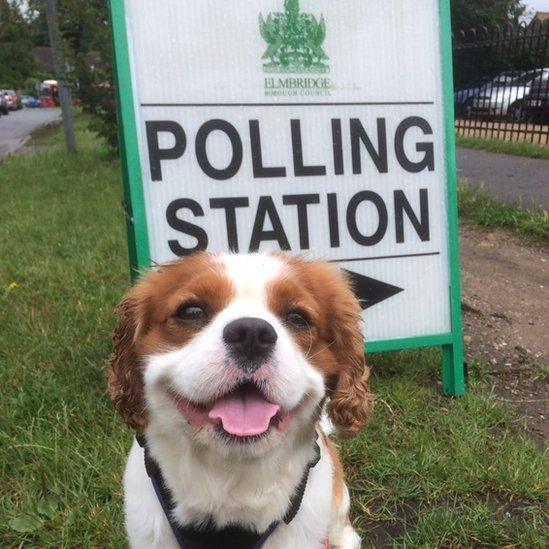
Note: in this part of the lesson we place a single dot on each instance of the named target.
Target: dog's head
(237, 351)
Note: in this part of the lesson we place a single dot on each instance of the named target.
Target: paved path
(508, 178)
(15, 127)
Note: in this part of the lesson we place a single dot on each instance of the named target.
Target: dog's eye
(191, 312)
(297, 319)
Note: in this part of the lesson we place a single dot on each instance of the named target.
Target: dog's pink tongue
(244, 414)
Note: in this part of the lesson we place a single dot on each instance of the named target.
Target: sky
(537, 5)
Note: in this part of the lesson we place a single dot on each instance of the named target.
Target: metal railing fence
(501, 79)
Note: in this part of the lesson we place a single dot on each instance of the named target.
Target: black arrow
(370, 291)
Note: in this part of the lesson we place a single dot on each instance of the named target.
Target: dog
(231, 368)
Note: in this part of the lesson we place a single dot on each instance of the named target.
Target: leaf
(26, 524)
(48, 505)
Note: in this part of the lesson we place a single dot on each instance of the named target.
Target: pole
(59, 68)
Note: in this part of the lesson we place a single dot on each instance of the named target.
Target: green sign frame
(453, 371)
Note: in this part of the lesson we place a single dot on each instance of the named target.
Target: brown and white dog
(224, 363)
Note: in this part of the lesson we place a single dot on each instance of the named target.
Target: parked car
(536, 105)
(506, 99)
(30, 101)
(4, 109)
(463, 99)
(14, 100)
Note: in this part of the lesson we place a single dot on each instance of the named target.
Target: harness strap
(167, 511)
(210, 537)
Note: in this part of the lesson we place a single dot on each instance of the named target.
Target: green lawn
(428, 472)
(516, 148)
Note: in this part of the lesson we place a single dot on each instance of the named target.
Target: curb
(14, 149)
(23, 142)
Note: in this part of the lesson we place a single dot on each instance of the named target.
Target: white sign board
(309, 125)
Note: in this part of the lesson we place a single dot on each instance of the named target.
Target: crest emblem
(294, 41)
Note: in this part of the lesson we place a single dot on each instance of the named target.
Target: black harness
(209, 536)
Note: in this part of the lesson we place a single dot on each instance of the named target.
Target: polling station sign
(313, 126)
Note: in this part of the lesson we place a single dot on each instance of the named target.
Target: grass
(516, 148)
(428, 472)
(440, 472)
(476, 205)
(62, 268)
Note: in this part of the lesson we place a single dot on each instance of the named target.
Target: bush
(98, 99)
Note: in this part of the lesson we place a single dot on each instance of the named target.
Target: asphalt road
(508, 178)
(15, 127)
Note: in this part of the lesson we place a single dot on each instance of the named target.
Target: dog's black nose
(250, 340)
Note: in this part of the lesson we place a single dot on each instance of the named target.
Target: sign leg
(453, 369)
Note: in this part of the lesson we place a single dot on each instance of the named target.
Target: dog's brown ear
(351, 402)
(125, 378)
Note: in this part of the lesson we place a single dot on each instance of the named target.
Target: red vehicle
(49, 93)
(13, 100)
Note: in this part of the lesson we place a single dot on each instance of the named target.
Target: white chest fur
(260, 493)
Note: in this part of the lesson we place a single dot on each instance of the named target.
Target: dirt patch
(505, 298)
(528, 396)
(388, 533)
(383, 533)
(506, 316)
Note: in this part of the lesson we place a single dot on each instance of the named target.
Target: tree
(16, 60)
(38, 25)
(85, 28)
(467, 14)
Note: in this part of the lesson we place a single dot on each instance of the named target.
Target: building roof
(542, 15)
